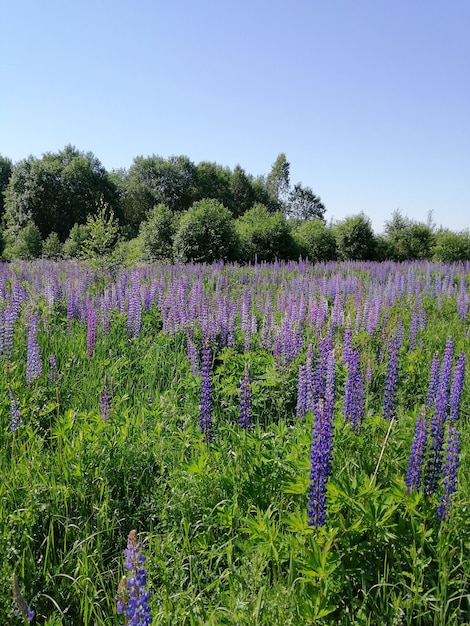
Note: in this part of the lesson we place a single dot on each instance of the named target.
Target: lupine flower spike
(20, 604)
(132, 598)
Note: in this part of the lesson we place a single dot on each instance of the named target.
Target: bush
(206, 233)
(157, 232)
(52, 248)
(450, 246)
(265, 236)
(316, 241)
(27, 245)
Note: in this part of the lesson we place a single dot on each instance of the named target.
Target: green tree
(6, 167)
(316, 241)
(408, 239)
(157, 232)
(102, 232)
(155, 180)
(264, 235)
(355, 238)
(451, 247)
(278, 182)
(52, 248)
(213, 181)
(242, 192)
(26, 245)
(206, 233)
(304, 204)
(74, 244)
(56, 191)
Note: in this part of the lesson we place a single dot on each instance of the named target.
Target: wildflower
(434, 464)
(449, 471)
(433, 380)
(354, 397)
(20, 604)
(245, 401)
(15, 412)
(418, 451)
(105, 401)
(91, 330)
(33, 357)
(391, 379)
(52, 368)
(456, 387)
(320, 465)
(132, 598)
(205, 416)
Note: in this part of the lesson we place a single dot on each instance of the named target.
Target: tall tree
(6, 167)
(355, 238)
(56, 191)
(278, 181)
(304, 204)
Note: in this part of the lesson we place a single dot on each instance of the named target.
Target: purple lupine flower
(245, 399)
(391, 379)
(192, 355)
(320, 466)
(205, 417)
(91, 330)
(134, 307)
(354, 397)
(319, 380)
(106, 395)
(433, 380)
(434, 464)
(33, 356)
(15, 413)
(449, 471)
(457, 387)
(20, 604)
(132, 597)
(418, 451)
(301, 407)
(347, 345)
(52, 368)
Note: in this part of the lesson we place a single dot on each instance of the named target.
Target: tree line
(66, 205)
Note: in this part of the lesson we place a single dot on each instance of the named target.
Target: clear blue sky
(368, 99)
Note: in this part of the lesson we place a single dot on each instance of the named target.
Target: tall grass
(223, 521)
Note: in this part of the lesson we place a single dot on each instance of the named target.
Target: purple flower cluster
(434, 464)
(450, 468)
(245, 399)
(15, 413)
(418, 452)
(354, 397)
(457, 388)
(391, 378)
(91, 330)
(20, 604)
(322, 445)
(33, 357)
(320, 465)
(132, 598)
(205, 416)
(105, 401)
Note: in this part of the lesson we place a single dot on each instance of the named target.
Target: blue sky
(368, 99)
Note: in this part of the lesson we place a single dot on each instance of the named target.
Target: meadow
(268, 444)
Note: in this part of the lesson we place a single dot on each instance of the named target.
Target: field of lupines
(260, 445)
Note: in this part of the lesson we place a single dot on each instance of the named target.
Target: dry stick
(382, 451)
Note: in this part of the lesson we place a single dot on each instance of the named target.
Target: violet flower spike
(132, 597)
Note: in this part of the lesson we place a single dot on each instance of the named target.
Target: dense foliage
(280, 443)
(46, 205)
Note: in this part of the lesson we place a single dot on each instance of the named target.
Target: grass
(224, 525)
